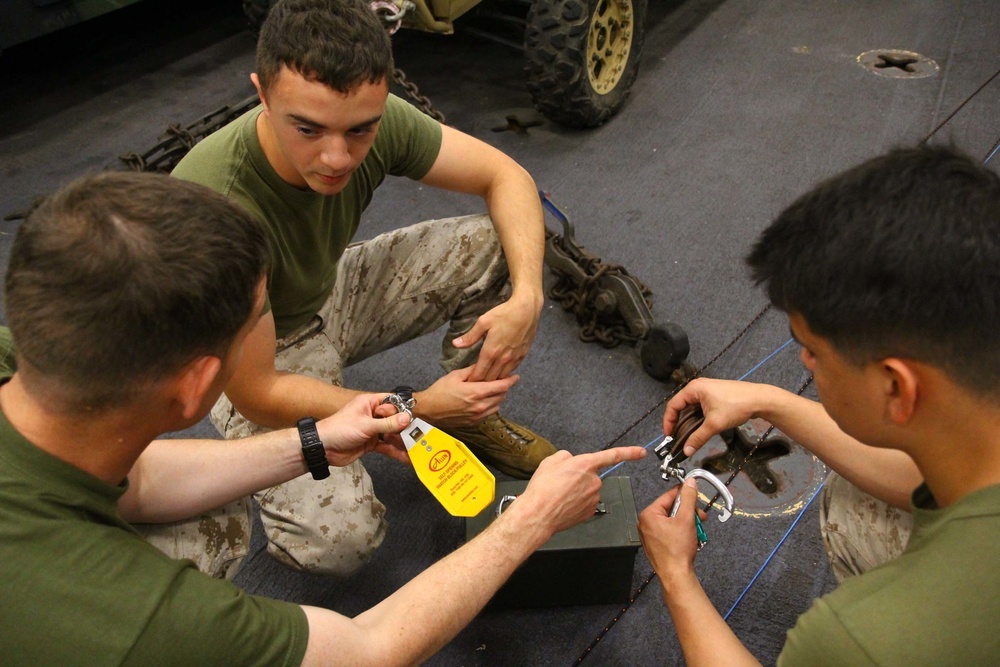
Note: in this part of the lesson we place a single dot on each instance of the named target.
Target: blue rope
(767, 358)
(619, 465)
(774, 551)
(994, 152)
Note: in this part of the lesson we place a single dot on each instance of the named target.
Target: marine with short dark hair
(890, 274)
(130, 297)
(307, 163)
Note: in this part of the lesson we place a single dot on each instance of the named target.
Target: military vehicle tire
(582, 57)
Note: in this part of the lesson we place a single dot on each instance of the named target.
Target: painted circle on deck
(798, 474)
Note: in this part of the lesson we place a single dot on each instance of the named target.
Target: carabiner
(726, 510)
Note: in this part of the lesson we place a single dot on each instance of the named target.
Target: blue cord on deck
(775, 550)
(767, 358)
(995, 149)
(618, 465)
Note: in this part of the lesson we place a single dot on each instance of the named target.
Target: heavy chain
(391, 15)
(579, 299)
(421, 101)
(175, 143)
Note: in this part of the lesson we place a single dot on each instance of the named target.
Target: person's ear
(260, 90)
(194, 382)
(901, 389)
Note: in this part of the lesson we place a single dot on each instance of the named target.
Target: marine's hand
(363, 425)
(507, 331)
(456, 400)
(725, 404)
(565, 489)
(671, 543)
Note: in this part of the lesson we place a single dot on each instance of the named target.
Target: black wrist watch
(312, 448)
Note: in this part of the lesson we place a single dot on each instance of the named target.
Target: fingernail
(691, 482)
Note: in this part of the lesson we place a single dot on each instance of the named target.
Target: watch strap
(405, 393)
(312, 448)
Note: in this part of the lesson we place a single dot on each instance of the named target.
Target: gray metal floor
(740, 106)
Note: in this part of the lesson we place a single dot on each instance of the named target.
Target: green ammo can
(591, 563)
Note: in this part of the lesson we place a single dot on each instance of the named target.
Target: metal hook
(400, 403)
(726, 510)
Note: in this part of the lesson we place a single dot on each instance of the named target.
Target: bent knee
(336, 549)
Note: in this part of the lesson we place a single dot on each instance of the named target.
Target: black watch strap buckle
(312, 448)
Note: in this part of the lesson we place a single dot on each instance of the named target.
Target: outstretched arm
(671, 545)
(465, 164)
(887, 474)
(414, 622)
(178, 479)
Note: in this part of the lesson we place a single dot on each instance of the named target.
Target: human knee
(331, 526)
(337, 549)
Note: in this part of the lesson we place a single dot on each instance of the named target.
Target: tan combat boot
(513, 449)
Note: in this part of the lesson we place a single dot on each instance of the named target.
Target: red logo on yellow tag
(439, 460)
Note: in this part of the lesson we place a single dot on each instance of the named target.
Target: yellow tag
(452, 474)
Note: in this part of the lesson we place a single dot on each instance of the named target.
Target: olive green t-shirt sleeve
(413, 139)
(7, 364)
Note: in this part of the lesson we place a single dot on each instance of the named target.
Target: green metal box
(591, 563)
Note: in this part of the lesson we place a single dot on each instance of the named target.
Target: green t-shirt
(937, 604)
(80, 587)
(7, 363)
(308, 231)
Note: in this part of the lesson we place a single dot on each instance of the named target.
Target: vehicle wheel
(582, 57)
(256, 11)
(664, 350)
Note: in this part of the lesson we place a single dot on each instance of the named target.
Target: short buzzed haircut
(120, 279)
(899, 256)
(339, 43)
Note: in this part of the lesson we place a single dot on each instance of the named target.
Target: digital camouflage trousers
(859, 531)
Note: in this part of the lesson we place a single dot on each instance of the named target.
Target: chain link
(422, 102)
(610, 330)
(175, 143)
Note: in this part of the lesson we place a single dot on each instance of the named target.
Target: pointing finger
(613, 456)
